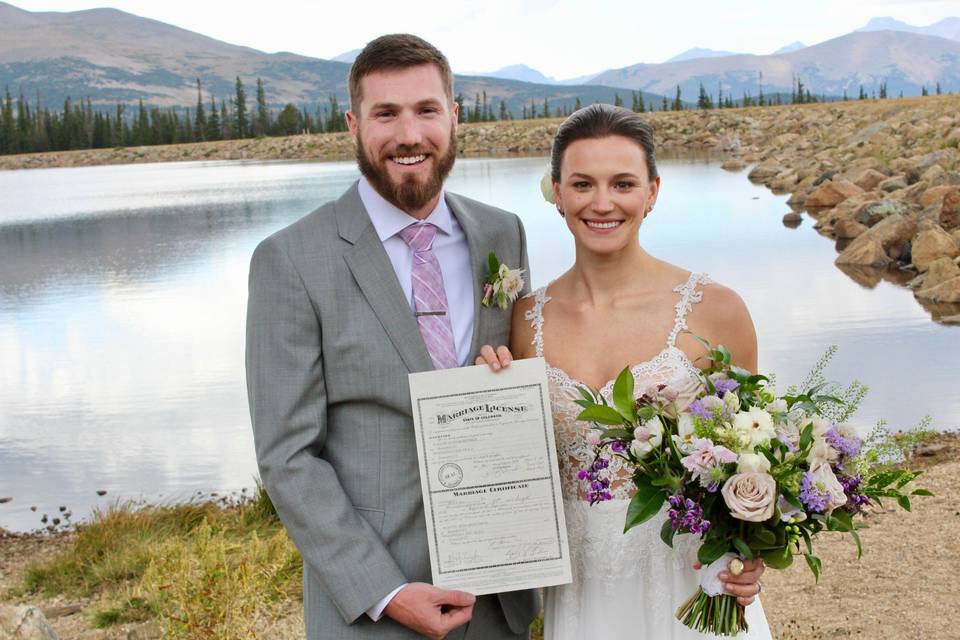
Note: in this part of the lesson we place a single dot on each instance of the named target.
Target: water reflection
(123, 289)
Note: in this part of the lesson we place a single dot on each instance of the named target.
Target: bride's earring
(560, 211)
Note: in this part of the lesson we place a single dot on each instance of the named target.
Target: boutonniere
(503, 284)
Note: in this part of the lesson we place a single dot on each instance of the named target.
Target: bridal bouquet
(752, 473)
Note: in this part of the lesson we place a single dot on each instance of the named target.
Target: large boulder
(869, 179)
(847, 229)
(870, 213)
(935, 195)
(930, 244)
(832, 193)
(734, 164)
(949, 217)
(764, 171)
(893, 184)
(25, 623)
(939, 271)
(867, 254)
(933, 174)
(948, 291)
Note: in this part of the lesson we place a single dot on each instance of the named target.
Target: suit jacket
(330, 341)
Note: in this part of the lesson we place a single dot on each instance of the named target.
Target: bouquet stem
(719, 615)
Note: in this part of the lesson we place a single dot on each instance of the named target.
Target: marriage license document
(488, 471)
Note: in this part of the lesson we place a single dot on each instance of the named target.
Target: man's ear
(352, 124)
(455, 113)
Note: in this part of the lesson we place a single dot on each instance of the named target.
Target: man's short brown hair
(392, 53)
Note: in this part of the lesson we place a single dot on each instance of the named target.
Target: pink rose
(750, 496)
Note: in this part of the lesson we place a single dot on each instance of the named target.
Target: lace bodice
(670, 366)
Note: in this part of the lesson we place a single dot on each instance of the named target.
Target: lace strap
(535, 316)
(689, 295)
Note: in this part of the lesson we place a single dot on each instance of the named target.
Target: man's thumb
(458, 598)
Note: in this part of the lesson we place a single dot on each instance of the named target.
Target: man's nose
(408, 130)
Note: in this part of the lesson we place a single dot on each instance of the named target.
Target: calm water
(123, 292)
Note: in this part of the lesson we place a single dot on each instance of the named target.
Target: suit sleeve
(524, 261)
(288, 408)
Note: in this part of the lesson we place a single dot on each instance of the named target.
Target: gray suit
(330, 341)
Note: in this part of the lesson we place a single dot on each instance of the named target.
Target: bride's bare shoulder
(722, 317)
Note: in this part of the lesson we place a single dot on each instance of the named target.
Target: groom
(344, 303)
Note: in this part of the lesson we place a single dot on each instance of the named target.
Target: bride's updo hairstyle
(601, 121)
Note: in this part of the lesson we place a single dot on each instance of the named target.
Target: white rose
(750, 496)
(752, 463)
(756, 423)
(821, 452)
(546, 186)
(641, 448)
(826, 481)
(655, 428)
(777, 406)
(732, 400)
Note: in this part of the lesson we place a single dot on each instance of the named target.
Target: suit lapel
(480, 243)
(371, 267)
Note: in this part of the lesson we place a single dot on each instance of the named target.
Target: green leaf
(807, 540)
(921, 492)
(778, 558)
(904, 503)
(603, 415)
(743, 548)
(623, 395)
(845, 520)
(493, 264)
(764, 535)
(712, 550)
(667, 533)
(815, 565)
(806, 437)
(644, 505)
(791, 499)
(856, 538)
(587, 394)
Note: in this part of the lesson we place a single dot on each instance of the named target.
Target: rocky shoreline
(880, 177)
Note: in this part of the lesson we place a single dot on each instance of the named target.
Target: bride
(619, 305)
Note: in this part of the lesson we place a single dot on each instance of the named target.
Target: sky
(560, 38)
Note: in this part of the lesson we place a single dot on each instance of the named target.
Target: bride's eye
(625, 185)
(581, 184)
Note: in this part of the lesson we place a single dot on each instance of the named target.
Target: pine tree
(335, 119)
(227, 126)
(200, 118)
(214, 128)
(641, 107)
(617, 100)
(546, 108)
(760, 99)
(664, 106)
(240, 126)
(923, 91)
(939, 91)
(883, 90)
(8, 130)
(262, 127)
(704, 101)
(677, 103)
(863, 94)
(576, 105)
(503, 110)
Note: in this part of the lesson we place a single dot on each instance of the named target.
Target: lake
(123, 294)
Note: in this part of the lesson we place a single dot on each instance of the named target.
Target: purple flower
(813, 498)
(617, 447)
(697, 409)
(846, 447)
(706, 462)
(686, 516)
(722, 383)
(851, 488)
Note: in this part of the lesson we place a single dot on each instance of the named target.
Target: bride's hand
(496, 360)
(745, 586)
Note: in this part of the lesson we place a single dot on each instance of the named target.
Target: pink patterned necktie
(430, 298)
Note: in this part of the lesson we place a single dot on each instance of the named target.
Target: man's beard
(411, 194)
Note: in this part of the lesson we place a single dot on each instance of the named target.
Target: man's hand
(429, 610)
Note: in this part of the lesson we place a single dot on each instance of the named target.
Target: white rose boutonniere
(502, 285)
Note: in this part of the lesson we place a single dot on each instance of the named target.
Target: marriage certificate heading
(488, 471)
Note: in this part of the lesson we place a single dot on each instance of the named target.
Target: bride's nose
(602, 203)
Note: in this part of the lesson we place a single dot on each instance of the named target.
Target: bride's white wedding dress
(625, 586)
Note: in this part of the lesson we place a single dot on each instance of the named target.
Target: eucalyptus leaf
(806, 437)
(493, 264)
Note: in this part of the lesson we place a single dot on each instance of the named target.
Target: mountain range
(113, 57)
